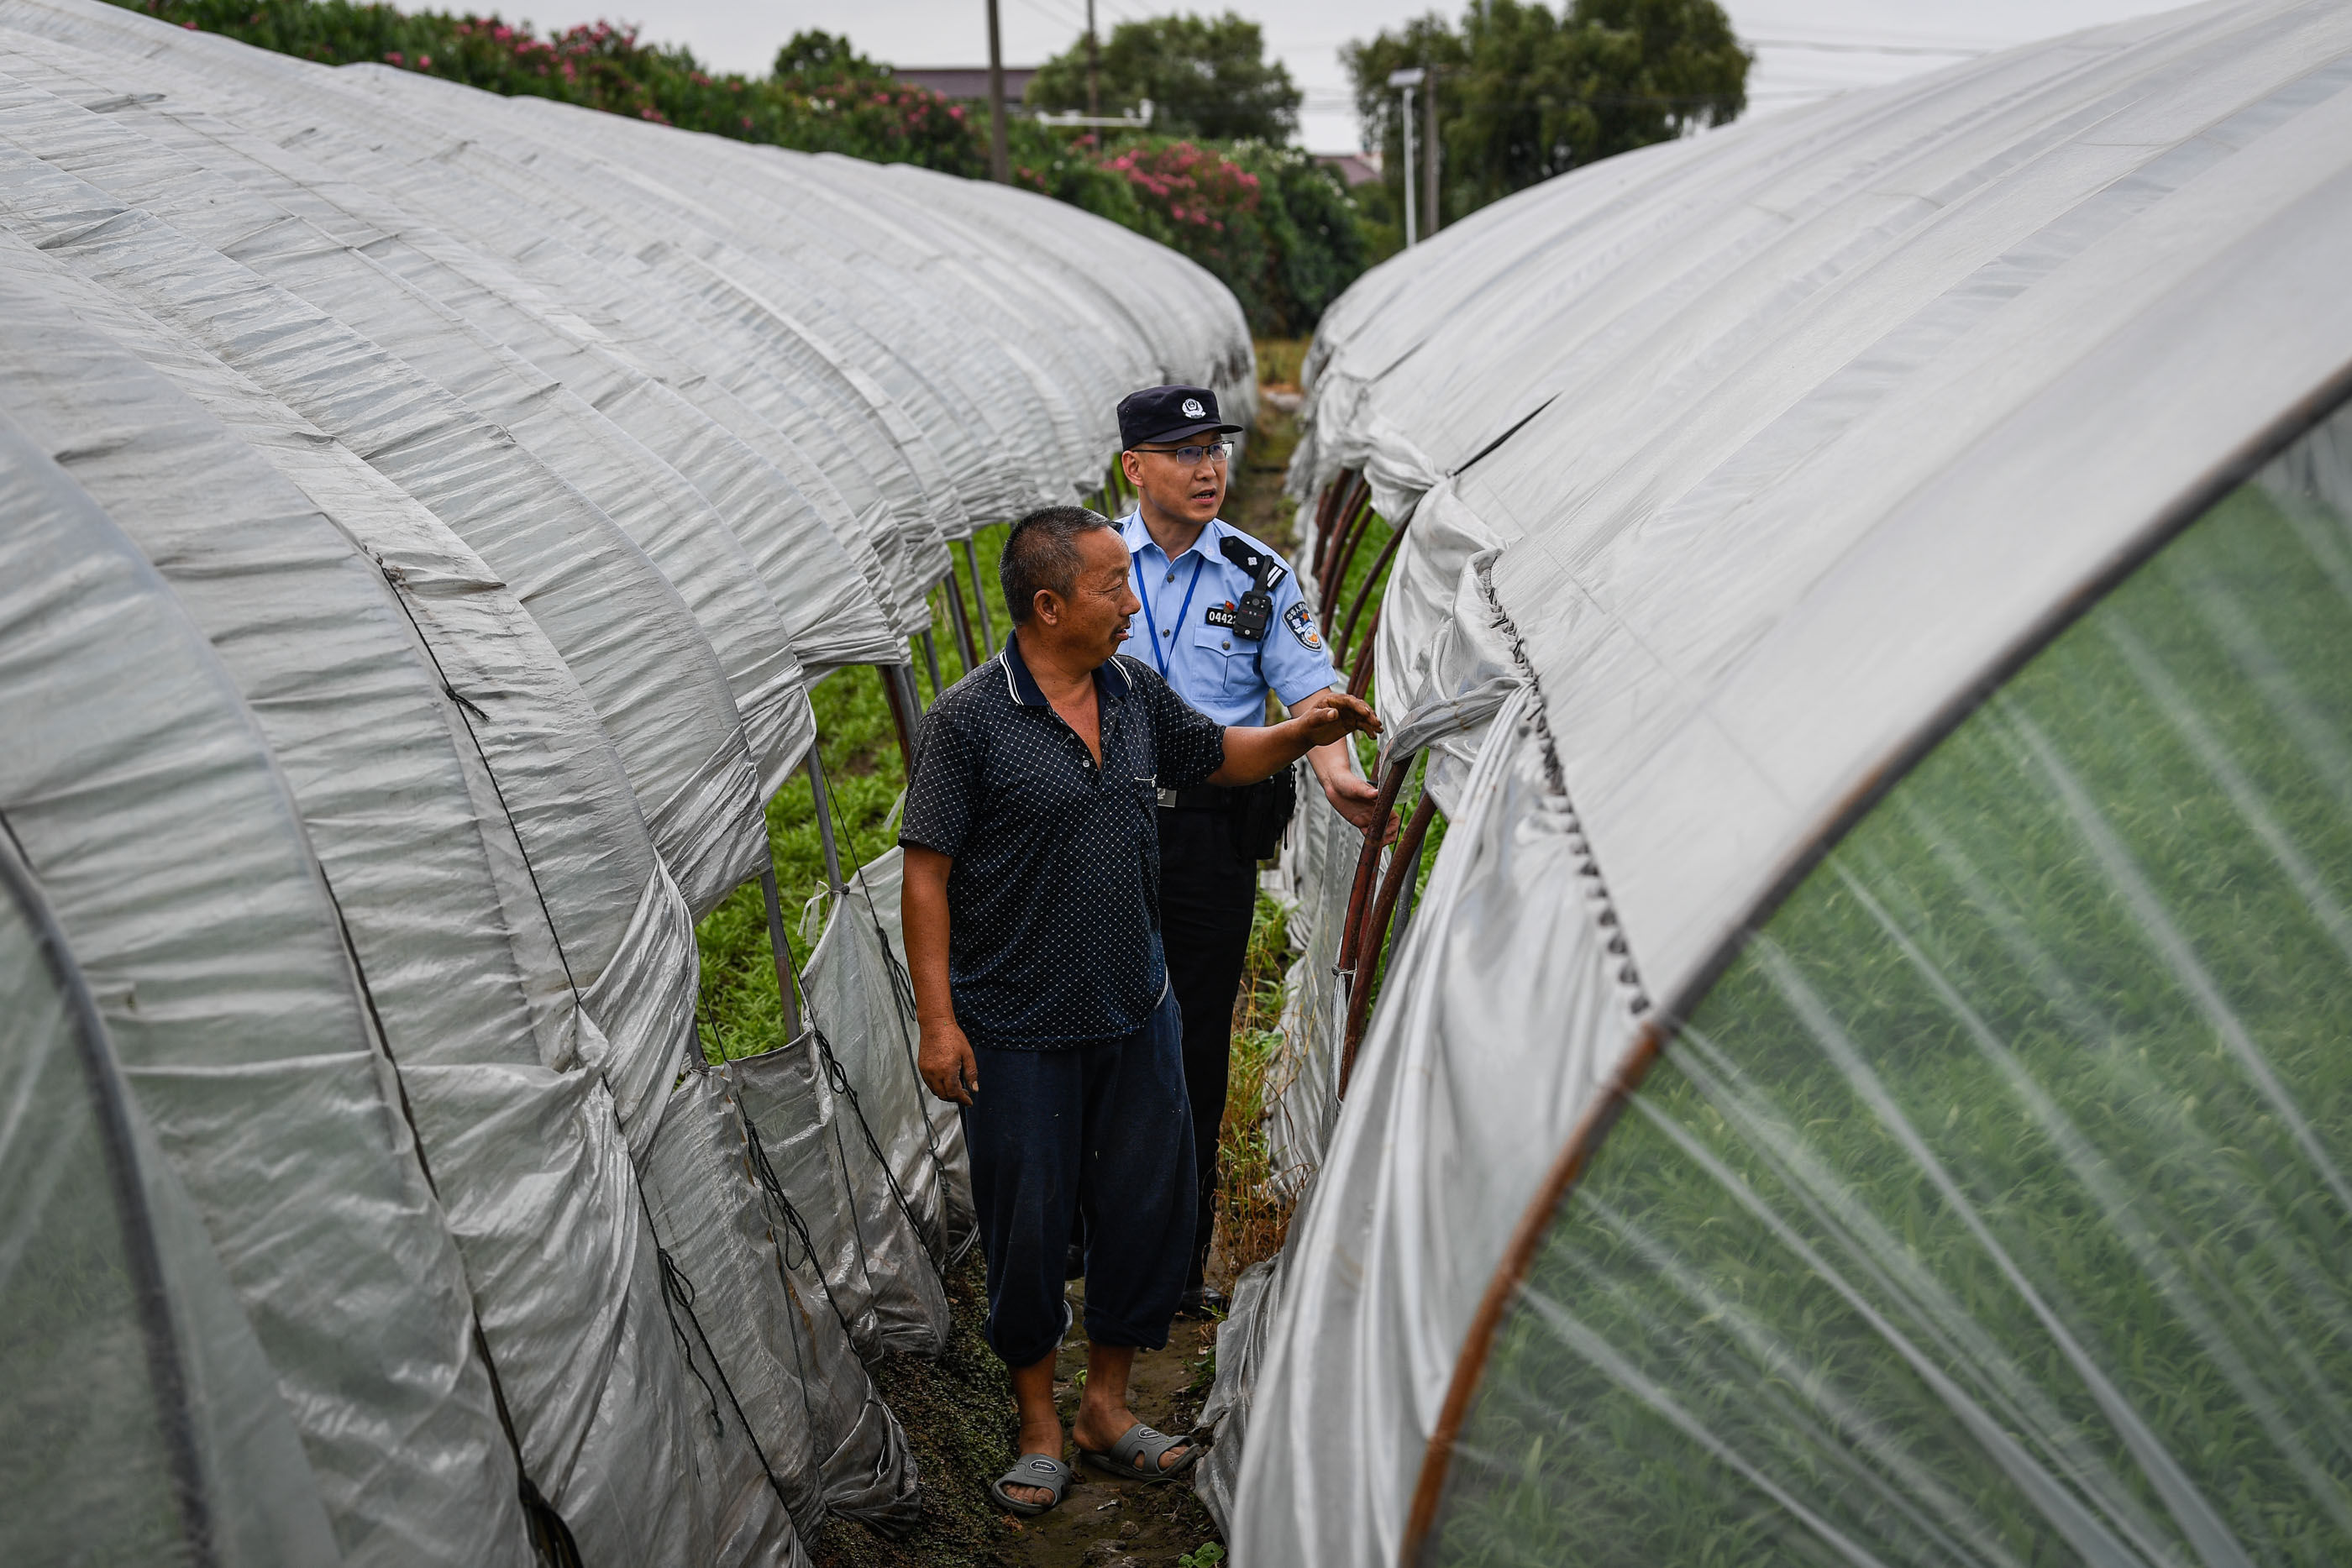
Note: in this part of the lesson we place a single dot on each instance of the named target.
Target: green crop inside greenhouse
(1993, 1205)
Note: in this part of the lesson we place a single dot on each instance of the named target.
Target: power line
(1044, 8)
(1826, 48)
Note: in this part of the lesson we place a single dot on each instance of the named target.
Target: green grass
(1279, 359)
(740, 1009)
(1960, 1112)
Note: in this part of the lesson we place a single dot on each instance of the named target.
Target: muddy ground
(958, 1413)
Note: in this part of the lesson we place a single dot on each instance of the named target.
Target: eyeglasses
(1216, 452)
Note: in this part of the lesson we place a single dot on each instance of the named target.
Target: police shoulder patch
(1301, 622)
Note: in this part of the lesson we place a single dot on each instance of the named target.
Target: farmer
(1031, 924)
(1200, 629)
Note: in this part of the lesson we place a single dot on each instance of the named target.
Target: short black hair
(1042, 552)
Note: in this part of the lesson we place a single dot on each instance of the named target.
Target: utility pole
(1000, 160)
(1406, 79)
(1094, 67)
(1433, 216)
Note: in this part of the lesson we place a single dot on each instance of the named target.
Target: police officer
(1225, 620)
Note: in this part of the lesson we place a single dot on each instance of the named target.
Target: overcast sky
(1805, 48)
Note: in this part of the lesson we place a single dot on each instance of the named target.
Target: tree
(815, 59)
(1205, 78)
(1523, 95)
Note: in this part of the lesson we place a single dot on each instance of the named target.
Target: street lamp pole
(1433, 216)
(1406, 80)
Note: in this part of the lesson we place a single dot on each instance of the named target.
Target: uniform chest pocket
(1232, 657)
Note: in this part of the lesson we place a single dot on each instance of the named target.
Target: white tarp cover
(872, 898)
(1772, 444)
(426, 513)
(145, 1424)
(144, 799)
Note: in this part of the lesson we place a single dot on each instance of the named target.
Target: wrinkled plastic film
(141, 1419)
(1319, 859)
(527, 1165)
(1780, 442)
(1247, 1329)
(728, 1290)
(847, 1308)
(873, 895)
(1403, 1180)
(150, 810)
(567, 562)
(858, 1004)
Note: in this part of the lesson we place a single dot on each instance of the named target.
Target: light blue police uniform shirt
(1211, 666)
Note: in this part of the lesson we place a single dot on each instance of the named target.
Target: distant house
(966, 84)
(1353, 168)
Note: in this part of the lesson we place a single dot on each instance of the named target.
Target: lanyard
(1159, 656)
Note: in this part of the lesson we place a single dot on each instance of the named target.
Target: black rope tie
(678, 1291)
(902, 988)
(836, 1076)
(804, 1345)
(793, 1223)
(841, 1149)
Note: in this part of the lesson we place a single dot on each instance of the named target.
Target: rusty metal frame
(1354, 524)
(1328, 511)
(964, 644)
(1374, 940)
(1347, 638)
(1367, 860)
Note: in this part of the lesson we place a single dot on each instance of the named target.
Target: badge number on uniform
(1301, 622)
(1221, 615)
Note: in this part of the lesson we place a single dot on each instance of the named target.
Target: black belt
(1199, 798)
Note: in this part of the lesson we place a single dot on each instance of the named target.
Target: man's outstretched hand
(1254, 752)
(1330, 715)
(947, 1063)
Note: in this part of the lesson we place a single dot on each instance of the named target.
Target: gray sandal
(1043, 1472)
(1140, 1441)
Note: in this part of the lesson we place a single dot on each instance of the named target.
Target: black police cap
(1160, 414)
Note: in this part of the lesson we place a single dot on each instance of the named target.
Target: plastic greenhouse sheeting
(244, 551)
(146, 1422)
(1988, 1204)
(872, 898)
(147, 803)
(427, 514)
(851, 1257)
(1772, 450)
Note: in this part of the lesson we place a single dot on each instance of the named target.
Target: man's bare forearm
(943, 1057)
(1260, 752)
(923, 915)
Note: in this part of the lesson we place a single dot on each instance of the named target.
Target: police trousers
(1207, 895)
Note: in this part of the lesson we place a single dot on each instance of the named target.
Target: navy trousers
(1103, 1130)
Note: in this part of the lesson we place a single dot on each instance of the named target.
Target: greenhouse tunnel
(1866, 595)
(427, 516)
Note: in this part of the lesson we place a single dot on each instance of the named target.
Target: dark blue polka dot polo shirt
(1053, 899)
